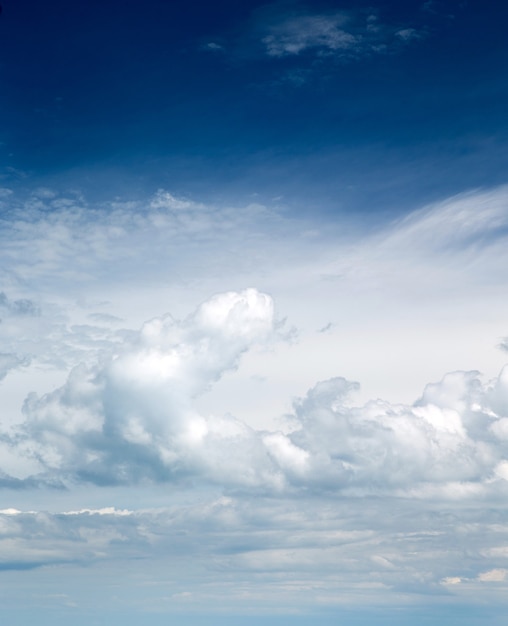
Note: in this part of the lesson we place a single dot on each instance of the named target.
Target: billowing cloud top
(133, 417)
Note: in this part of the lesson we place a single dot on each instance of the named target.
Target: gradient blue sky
(253, 313)
(189, 96)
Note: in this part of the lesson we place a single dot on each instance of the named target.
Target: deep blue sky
(125, 97)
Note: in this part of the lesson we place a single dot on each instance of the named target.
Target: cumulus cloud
(82, 260)
(127, 411)
(133, 417)
(451, 437)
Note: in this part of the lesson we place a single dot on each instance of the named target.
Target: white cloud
(297, 34)
(341, 34)
(109, 510)
(433, 279)
(143, 395)
(493, 576)
(213, 46)
(133, 417)
(446, 438)
(237, 551)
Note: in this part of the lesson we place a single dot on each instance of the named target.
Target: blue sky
(192, 96)
(253, 322)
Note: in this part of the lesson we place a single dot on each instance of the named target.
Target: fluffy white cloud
(447, 438)
(133, 417)
(389, 299)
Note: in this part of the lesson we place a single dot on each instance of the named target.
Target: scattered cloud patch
(493, 576)
(66, 241)
(295, 35)
(109, 510)
(343, 35)
(407, 34)
(213, 46)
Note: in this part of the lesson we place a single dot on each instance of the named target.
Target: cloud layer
(226, 553)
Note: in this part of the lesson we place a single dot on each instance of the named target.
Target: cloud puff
(452, 437)
(133, 418)
(340, 34)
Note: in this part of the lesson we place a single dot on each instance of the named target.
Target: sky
(253, 313)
